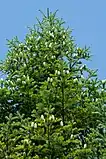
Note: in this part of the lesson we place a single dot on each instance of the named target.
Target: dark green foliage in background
(51, 104)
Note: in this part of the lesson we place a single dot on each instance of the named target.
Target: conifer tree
(62, 100)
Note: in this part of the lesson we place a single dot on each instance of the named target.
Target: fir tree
(62, 100)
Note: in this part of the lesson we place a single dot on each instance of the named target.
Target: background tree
(62, 100)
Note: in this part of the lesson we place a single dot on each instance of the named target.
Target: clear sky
(87, 18)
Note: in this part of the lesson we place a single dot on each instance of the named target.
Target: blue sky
(86, 18)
